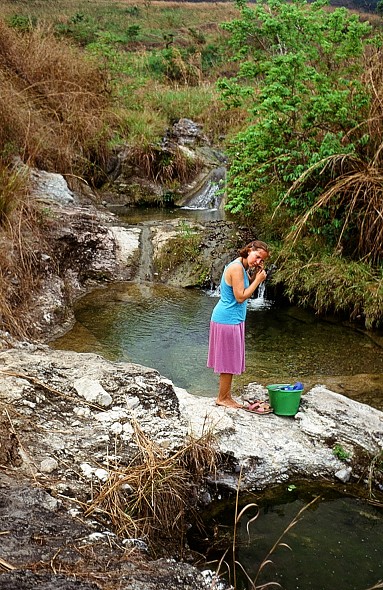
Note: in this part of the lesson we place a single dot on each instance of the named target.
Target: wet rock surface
(58, 446)
(135, 184)
(86, 248)
(219, 242)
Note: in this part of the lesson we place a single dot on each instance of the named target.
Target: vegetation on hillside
(293, 92)
(54, 115)
(309, 162)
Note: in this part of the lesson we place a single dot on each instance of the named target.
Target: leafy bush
(299, 76)
(21, 22)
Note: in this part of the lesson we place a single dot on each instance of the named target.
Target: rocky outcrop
(73, 408)
(84, 246)
(66, 421)
(271, 449)
(85, 250)
(169, 173)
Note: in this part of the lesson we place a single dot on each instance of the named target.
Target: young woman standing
(226, 353)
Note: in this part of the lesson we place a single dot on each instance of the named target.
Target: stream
(335, 544)
(166, 328)
(338, 542)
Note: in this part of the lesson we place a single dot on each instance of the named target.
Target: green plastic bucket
(284, 403)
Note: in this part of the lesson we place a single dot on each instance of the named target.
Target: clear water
(167, 328)
(134, 215)
(336, 545)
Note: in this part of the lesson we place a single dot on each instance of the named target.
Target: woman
(227, 326)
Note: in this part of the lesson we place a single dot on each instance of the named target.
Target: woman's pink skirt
(226, 352)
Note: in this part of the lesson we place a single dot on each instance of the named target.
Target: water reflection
(167, 328)
(335, 544)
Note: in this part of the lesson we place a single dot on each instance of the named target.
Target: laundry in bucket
(298, 386)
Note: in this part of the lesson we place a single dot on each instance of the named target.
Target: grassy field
(162, 58)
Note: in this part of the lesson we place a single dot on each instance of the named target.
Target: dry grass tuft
(357, 191)
(54, 104)
(20, 240)
(164, 166)
(54, 115)
(151, 497)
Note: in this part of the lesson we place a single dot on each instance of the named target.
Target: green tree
(299, 76)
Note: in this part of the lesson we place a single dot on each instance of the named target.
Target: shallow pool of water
(167, 328)
(336, 544)
(137, 215)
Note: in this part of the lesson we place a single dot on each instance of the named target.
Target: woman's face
(256, 258)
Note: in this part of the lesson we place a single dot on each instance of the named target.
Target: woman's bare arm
(234, 277)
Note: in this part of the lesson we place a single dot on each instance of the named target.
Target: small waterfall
(209, 195)
(259, 301)
(145, 268)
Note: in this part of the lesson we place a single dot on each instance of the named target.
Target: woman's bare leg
(224, 394)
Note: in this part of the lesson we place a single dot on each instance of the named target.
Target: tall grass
(20, 240)
(55, 115)
(150, 498)
(346, 278)
(54, 108)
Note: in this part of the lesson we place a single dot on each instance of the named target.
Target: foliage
(340, 452)
(327, 282)
(183, 247)
(308, 164)
(22, 22)
(299, 76)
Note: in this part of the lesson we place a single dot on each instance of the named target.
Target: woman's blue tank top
(228, 310)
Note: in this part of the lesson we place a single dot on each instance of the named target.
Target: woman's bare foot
(228, 403)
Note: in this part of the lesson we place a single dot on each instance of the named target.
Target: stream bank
(68, 425)
(64, 414)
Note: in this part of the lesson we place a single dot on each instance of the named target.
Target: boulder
(58, 445)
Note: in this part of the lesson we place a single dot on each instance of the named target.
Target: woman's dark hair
(256, 245)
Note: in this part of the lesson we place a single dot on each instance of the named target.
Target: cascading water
(210, 194)
(145, 268)
(258, 301)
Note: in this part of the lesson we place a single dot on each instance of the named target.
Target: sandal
(259, 407)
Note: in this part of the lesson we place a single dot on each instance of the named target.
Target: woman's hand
(257, 272)
(261, 275)
(237, 282)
